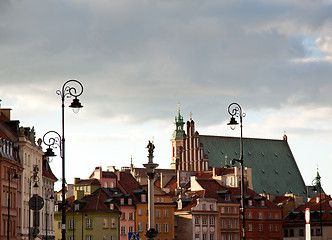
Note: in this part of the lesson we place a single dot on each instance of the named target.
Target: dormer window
(143, 198)
(112, 206)
(250, 202)
(203, 206)
(263, 203)
(122, 201)
(130, 201)
(227, 197)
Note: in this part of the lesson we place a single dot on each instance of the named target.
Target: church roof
(274, 169)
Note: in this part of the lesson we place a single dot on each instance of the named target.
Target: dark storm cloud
(140, 58)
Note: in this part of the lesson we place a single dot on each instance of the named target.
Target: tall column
(151, 233)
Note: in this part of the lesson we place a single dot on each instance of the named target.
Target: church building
(274, 169)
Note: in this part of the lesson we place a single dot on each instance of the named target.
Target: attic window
(249, 152)
(277, 190)
(222, 152)
(263, 154)
(288, 155)
(208, 151)
(263, 171)
(289, 172)
(275, 154)
(227, 197)
(235, 152)
(276, 171)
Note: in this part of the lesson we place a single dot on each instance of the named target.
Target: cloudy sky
(138, 59)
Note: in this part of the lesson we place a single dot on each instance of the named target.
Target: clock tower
(177, 139)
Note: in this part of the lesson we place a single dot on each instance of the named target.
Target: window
(222, 223)
(123, 230)
(222, 209)
(318, 232)
(131, 229)
(158, 213)
(260, 216)
(165, 213)
(105, 238)
(122, 201)
(59, 225)
(270, 227)
(227, 197)
(113, 223)
(250, 202)
(71, 238)
(162, 200)
(105, 223)
(277, 228)
(158, 227)
(123, 216)
(235, 224)
(229, 210)
(89, 223)
(196, 236)
(260, 227)
(204, 236)
(204, 220)
(301, 233)
(212, 221)
(250, 227)
(131, 216)
(196, 220)
(291, 232)
(263, 203)
(88, 237)
(285, 233)
(211, 207)
(71, 223)
(249, 215)
(140, 227)
(229, 224)
(204, 206)
(211, 236)
(143, 198)
(270, 215)
(165, 227)
(140, 212)
(130, 201)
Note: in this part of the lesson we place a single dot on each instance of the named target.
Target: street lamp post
(35, 179)
(318, 188)
(49, 197)
(15, 176)
(67, 91)
(235, 110)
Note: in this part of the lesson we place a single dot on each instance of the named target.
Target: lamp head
(232, 121)
(315, 189)
(35, 185)
(15, 176)
(76, 105)
(49, 152)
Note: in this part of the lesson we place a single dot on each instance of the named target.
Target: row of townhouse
(116, 211)
(23, 173)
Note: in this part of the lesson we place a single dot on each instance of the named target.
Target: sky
(138, 59)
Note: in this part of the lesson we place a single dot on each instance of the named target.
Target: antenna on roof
(191, 115)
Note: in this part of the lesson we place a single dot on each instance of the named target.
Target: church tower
(177, 139)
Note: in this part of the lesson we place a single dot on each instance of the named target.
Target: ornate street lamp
(318, 188)
(15, 176)
(235, 110)
(67, 91)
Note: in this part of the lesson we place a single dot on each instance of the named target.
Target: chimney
(5, 112)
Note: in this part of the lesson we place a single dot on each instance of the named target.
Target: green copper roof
(178, 132)
(274, 169)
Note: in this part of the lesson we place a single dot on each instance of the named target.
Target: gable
(274, 169)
